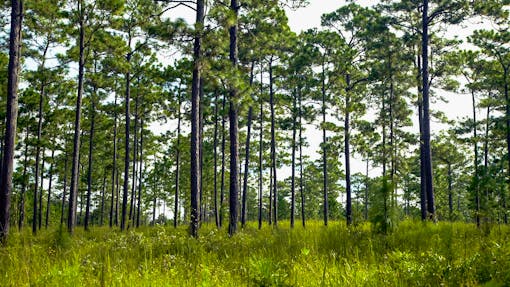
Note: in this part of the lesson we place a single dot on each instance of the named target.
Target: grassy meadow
(413, 254)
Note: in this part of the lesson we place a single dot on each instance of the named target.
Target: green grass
(414, 254)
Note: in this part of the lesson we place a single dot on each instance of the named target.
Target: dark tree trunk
(246, 165)
(324, 149)
(126, 148)
(216, 214)
(90, 161)
(37, 221)
(223, 144)
(200, 153)
(423, 188)
(365, 210)
(140, 182)
(23, 184)
(233, 119)
(48, 204)
(39, 210)
(195, 124)
(507, 113)
(348, 208)
(450, 192)
(103, 187)
(431, 208)
(293, 164)
(73, 193)
(114, 159)
(62, 212)
(135, 165)
(261, 146)
(475, 150)
(273, 145)
(177, 162)
(301, 184)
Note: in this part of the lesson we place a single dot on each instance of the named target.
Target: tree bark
(23, 184)
(216, 214)
(114, 159)
(62, 213)
(126, 148)
(135, 173)
(195, 124)
(348, 208)
(301, 184)
(261, 147)
(177, 161)
(293, 164)
(475, 150)
(246, 165)
(223, 144)
(73, 193)
(48, 204)
(431, 208)
(10, 118)
(233, 119)
(324, 149)
(273, 145)
(90, 161)
(140, 181)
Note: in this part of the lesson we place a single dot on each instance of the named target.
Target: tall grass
(413, 254)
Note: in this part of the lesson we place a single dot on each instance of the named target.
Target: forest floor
(413, 254)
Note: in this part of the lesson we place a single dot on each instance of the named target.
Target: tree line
(117, 108)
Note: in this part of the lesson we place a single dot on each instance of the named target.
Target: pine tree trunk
(103, 187)
(48, 204)
(475, 150)
(195, 124)
(90, 161)
(423, 188)
(233, 119)
(261, 146)
(11, 117)
(126, 147)
(273, 145)
(73, 193)
(246, 165)
(293, 164)
(324, 149)
(223, 144)
(114, 159)
(177, 162)
(431, 208)
(140, 182)
(135, 165)
(216, 214)
(23, 184)
(348, 208)
(62, 213)
(301, 184)
(39, 210)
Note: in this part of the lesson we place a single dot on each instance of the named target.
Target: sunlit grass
(414, 254)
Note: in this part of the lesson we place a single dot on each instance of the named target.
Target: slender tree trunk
(431, 208)
(365, 210)
(223, 144)
(233, 119)
(140, 182)
(293, 164)
(450, 191)
(131, 220)
(62, 213)
(126, 148)
(114, 159)
(177, 162)
(23, 184)
(423, 188)
(37, 221)
(39, 210)
(10, 118)
(195, 124)
(261, 145)
(103, 187)
(273, 145)
(301, 185)
(200, 151)
(486, 150)
(90, 160)
(475, 150)
(216, 214)
(48, 204)
(324, 149)
(507, 113)
(348, 207)
(246, 165)
(73, 193)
